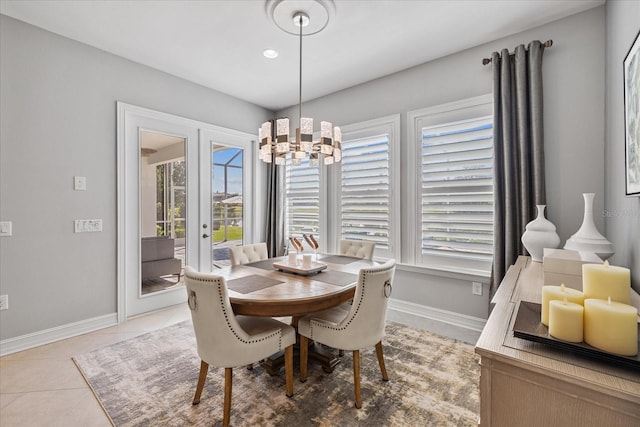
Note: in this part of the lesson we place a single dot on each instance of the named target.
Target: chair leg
(304, 354)
(204, 367)
(288, 369)
(228, 384)
(385, 377)
(356, 377)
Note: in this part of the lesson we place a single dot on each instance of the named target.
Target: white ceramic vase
(588, 238)
(539, 234)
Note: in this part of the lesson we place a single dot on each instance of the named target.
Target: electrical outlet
(79, 183)
(476, 288)
(5, 228)
(4, 302)
(95, 225)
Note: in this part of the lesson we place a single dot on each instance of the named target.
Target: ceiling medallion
(281, 12)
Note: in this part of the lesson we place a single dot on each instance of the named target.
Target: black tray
(528, 326)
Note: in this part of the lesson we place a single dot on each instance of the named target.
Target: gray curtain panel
(275, 210)
(518, 151)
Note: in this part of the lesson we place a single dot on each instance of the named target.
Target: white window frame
(389, 125)
(416, 121)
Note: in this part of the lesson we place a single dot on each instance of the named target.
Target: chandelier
(328, 147)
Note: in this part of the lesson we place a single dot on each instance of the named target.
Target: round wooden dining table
(260, 289)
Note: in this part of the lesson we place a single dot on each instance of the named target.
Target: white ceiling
(219, 44)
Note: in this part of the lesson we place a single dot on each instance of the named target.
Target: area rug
(150, 380)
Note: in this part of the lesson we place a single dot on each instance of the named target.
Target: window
(368, 191)
(171, 207)
(227, 199)
(455, 184)
(302, 203)
(363, 196)
(365, 190)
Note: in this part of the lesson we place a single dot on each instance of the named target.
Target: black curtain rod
(548, 43)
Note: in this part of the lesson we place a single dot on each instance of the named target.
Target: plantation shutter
(365, 190)
(302, 187)
(457, 189)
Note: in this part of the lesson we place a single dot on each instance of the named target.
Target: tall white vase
(539, 234)
(588, 238)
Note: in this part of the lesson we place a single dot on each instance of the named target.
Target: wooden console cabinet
(523, 383)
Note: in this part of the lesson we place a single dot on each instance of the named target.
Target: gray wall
(58, 97)
(58, 105)
(622, 216)
(573, 117)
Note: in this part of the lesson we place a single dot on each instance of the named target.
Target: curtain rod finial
(485, 61)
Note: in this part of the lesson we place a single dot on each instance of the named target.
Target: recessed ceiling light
(270, 53)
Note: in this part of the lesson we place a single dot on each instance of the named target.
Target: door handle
(205, 235)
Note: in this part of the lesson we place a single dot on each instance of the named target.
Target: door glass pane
(226, 201)
(163, 208)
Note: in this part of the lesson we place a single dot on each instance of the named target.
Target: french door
(226, 194)
(171, 209)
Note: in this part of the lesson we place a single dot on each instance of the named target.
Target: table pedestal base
(326, 356)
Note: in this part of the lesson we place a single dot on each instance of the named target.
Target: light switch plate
(6, 228)
(87, 225)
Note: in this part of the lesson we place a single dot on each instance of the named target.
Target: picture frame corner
(631, 112)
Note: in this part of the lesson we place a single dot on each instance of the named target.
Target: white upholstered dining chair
(353, 327)
(243, 254)
(225, 340)
(357, 248)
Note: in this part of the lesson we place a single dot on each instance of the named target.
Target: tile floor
(42, 386)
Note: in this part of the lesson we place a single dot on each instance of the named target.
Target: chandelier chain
(300, 75)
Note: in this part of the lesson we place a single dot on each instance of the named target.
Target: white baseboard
(431, 313)
(47, 336)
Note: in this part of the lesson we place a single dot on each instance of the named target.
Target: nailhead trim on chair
(312, 323)
(218, 282)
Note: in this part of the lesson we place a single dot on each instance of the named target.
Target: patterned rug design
(149, 380)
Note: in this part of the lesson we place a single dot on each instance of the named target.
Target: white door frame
(130, 119)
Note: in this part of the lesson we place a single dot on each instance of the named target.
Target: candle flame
(562, 287)
(606, 264)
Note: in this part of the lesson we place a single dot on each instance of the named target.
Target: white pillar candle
(603, 281)
(306, 260)
(566, 320)
(293, 257)
(611, 326)
(551, 293)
